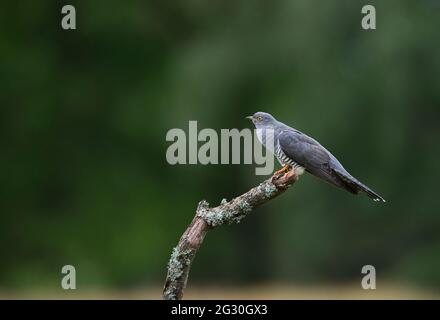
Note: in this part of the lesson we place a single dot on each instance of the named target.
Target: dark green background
(84, 114)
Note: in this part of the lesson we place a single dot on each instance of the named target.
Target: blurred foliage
(84, 113)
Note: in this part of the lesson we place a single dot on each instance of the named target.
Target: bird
(296, 150)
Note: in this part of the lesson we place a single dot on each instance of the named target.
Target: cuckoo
(296, 150)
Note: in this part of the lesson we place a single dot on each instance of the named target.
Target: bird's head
(262, 120)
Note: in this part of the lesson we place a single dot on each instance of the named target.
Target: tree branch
(207, 218)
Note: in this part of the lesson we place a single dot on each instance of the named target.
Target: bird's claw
(285, 177)
(283, 170)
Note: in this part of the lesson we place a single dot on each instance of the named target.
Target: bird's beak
(249, 117)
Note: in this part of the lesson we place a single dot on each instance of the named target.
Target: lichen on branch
(206, 218)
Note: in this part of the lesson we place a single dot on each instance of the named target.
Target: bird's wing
(308, 153)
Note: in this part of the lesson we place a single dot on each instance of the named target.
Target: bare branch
(207, 218)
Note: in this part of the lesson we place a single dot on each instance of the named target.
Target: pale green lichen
(178, 261)
(245, 207)
(226, 213)
(170, 295)
(221, 215)
(269, 189)
(224, 201)
(237, 218)
(203, 208)
(215, 217)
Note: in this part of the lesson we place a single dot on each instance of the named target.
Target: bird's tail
(353, 185)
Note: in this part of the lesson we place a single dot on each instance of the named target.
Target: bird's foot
(283, 170)
(285, 177)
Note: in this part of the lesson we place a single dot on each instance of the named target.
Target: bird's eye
(259, 118)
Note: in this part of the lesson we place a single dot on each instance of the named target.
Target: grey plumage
(296, 149)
